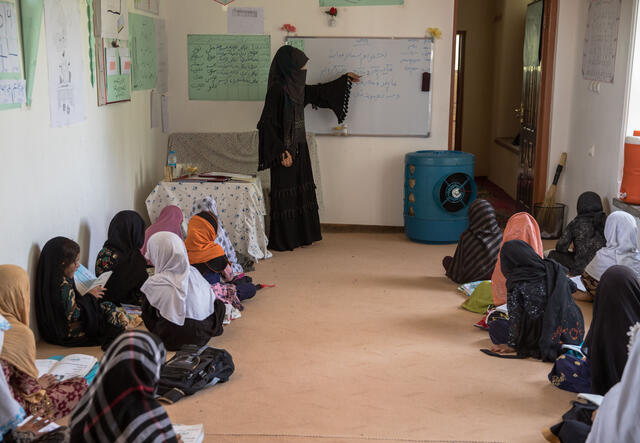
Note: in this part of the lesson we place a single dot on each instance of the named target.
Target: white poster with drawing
(9, 43)
(601, 40)
(114, 19)
(63, 32)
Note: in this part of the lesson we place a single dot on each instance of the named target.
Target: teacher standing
(283, 146)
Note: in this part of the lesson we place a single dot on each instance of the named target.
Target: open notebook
(190, 433)
(85, 280)
(64, 368)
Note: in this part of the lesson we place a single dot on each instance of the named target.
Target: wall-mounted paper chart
(228, 67)
(329, 3)
(142, 43)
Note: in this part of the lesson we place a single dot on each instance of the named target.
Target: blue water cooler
(438, 189)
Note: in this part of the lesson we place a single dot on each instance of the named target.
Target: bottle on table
(172, 162)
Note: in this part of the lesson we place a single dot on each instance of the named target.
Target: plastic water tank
(439, 187)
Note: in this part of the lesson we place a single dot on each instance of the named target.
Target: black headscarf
(562, 321)
(590, 206)
(286, 70)
(50, 313)
(479, 245)
(616, 308)
(126, 237)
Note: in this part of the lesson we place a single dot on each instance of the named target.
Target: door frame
(549, 31)
(459, 93)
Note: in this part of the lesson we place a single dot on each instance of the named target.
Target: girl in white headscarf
(178, 305)
(621, 233)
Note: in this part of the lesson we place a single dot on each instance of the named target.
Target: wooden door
(531, 76)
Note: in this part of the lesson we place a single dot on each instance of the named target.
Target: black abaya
(615, 310)
(294, 207)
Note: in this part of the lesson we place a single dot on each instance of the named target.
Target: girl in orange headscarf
(209, 257)
(521, 226)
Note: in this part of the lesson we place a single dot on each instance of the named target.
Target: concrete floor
(363, 339)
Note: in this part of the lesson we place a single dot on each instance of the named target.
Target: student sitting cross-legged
(179, 305)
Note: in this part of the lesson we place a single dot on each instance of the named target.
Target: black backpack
(191, 369)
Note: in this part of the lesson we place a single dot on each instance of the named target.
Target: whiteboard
(389, 99)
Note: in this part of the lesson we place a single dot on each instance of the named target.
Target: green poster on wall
(31, 21)
(228, 67)
(330, 3)
(296, 43)
(142, 41)
(118, 88)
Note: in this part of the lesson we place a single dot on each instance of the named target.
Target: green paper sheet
(31, 22)
(92, 43)
(142, 41)
(228, 67)
(330, 3)
(296, 43)
(118, 88)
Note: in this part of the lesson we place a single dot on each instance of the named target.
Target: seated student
(169, 220)
(616, 308)
(616, 419)
(40, 396)
(617, 416)
(478, 247)
(120, 405)
(209, 257)
(64, 316)
(179, 305)
(542, 314)
(208, 204)
(585, 232)
(521, 226)
(621, 234)
(121, 254)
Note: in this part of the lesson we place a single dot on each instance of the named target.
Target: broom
(545, 217)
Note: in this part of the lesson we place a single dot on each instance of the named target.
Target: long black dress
(294, 207)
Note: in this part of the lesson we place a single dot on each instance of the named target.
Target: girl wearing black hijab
(542, 314)
(121, 254)
(283, 146)
(64, 316)
(616, 308)
(585, 232)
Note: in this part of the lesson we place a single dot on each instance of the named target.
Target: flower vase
(332, 21)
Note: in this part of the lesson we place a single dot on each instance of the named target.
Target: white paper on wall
(601, 40)
(12, 92)
(63, 32)
(125, 60)
(9, 43)
(245, 21)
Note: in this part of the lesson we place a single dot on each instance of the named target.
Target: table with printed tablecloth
(241, 209)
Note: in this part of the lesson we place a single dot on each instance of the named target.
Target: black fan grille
(456, 192)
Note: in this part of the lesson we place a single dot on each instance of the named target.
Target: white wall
(71, 181)
(362, 177)
(581, 118)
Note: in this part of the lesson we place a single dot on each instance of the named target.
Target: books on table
(190, 433)
(86, 280)
(74, 365)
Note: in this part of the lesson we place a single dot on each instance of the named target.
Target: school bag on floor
(192, 369)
